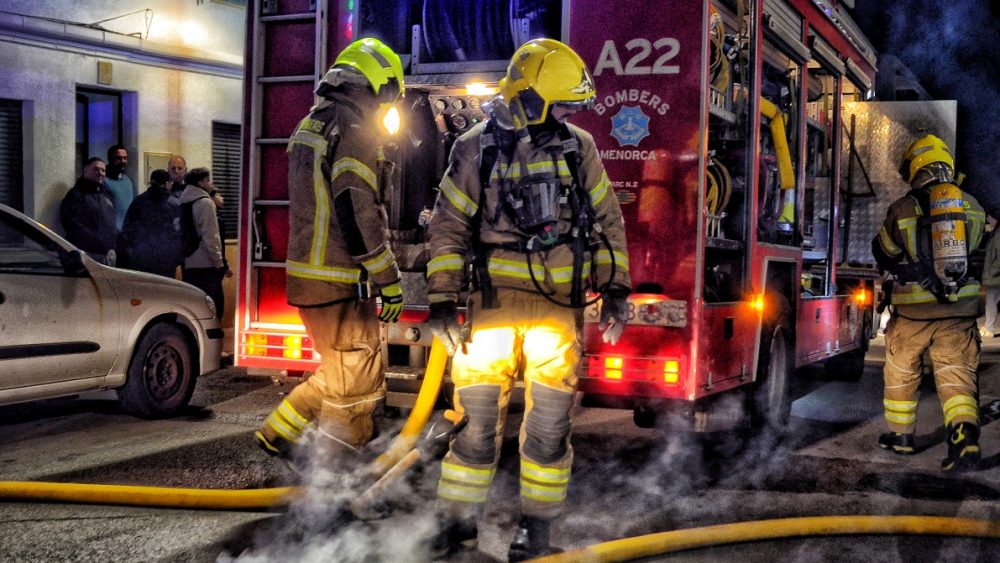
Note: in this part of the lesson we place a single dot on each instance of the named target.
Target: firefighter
(526, 196)
(337, 241)
(924, 242)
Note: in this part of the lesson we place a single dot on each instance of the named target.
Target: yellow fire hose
(237, 499)
(650, 545)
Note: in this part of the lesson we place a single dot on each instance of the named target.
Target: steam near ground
(631, 482)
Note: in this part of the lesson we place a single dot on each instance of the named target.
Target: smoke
(954, 49)
(318, 526)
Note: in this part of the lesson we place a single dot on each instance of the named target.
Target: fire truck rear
(740, 166)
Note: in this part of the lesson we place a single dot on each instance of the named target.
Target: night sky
(953, 47)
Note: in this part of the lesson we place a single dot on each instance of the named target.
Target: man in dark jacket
(88, 214)
(150, 240)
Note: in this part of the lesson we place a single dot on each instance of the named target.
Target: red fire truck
(722, 126)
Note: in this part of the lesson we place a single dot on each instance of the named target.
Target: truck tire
(851, 365)
(846, 367)
(161, 375)
(770, 397)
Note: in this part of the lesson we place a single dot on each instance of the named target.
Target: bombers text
(631, 96)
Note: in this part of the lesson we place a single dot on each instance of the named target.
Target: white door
(55, 325)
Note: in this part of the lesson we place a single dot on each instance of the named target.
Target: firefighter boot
(453, 535)
(281, 449)
(897, 443)
(963, 448)
(531, 540)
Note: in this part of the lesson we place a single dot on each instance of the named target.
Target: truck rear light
(632, 368)
(613, 367)
(255, 344)
(671, 371)
(277, 345)
(292, 347)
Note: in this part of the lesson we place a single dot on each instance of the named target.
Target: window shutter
(11, 159)
(226, 172)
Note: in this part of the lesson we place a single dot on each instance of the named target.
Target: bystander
(150, 240)
(87, 214)
(120, 186)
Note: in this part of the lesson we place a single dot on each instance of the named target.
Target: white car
(69, 324)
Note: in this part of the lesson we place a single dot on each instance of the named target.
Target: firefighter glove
(443, 322)
(392, 303)
(614, 315)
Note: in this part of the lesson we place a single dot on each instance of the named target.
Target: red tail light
(635, 368)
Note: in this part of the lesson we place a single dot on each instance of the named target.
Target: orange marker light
(256, 344)
(861, 297)
(757, 301)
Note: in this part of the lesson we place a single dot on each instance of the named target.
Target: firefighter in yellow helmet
(337, 241)
(526, 197)
(925, 242)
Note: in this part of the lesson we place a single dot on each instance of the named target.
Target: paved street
(627, 481)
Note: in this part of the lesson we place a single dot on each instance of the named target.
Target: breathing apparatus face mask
(499, 112)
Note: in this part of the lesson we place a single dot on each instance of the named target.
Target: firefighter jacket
(338, 233)
(463, 203)
(895, 249)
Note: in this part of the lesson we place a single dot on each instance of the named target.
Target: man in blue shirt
(119, 184)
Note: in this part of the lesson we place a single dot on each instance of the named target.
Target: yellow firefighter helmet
(542, 73)
(370, 62)
(925, 151)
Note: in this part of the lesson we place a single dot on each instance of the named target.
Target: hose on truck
(629, 549)
(236, 499)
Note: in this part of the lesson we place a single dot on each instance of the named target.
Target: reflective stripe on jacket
(898, 239)
(337, 225)
(451, 227)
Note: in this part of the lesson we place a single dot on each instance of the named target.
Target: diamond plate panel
(883, 130)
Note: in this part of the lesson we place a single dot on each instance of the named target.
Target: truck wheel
(846, 367)
(160, 378)
(644, 417)
(771, 402)
(850, 366)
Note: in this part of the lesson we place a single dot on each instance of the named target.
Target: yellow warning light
(671, 371)
(292, 347)
(613, 367)
(757, 302)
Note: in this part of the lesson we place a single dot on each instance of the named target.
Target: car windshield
(25, 250)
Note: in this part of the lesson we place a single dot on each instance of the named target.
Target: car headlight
(211, 304)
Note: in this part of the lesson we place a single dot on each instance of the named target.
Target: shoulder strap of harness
(489, 152)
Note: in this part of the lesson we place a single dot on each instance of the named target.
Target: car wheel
(161, 377)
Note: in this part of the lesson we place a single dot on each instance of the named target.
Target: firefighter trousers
(348, 385)
(953, 346)
(526, 335)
